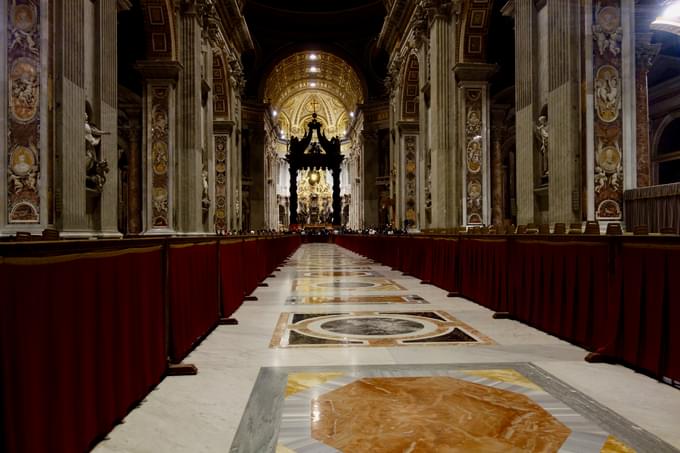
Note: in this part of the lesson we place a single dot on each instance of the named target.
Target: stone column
(135, 173)
(160, 142)
(369, 170)
(409, 154)
(564, 150)
(189, 157)
(474, 134)
(497, 195)
(526, 98)
(645, 53)
(70, 198)
(222, 131)
(444, 177)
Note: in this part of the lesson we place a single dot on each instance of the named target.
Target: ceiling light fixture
(312, 56)
(312, 84)
(313, 69)
(669, 21)
(351, 114)
(274, 113)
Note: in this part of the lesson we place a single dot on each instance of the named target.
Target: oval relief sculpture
(608, 93)
(609, 158)
(22, 160)
(24, 90)
(609, 209)
(474, 156)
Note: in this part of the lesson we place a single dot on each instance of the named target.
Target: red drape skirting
(232, 274)
(194, 307)
(648, 312)
(81, 342)
(615, 295)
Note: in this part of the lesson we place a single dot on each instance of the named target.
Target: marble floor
(343, 354)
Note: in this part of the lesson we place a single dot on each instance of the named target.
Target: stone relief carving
(474, 157)
(543, 136)
(160, 155)
(608, 93)
(21, 145)
(607, 31)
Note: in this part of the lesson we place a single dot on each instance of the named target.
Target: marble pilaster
(497, 195)
(409, 193)
(106, 100)
(474, 136)
(645, 53)
(160, 142)
(526, 95)
(189, 156)
(368, 168)
(608, 72)
(444, 188)
(564, 148)
(223, 208)
(24, 166)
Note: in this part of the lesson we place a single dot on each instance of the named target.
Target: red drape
(80, 348)
(194, 306)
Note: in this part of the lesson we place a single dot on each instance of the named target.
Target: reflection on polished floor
(343, 354)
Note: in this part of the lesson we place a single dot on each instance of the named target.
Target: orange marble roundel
(432, 414)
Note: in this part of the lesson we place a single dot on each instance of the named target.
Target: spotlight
(312, 56)
(274, 113)
(312, 84)
(669, 21)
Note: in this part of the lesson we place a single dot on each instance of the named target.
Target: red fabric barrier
(194, 308)
(445, 264)
(251, 265)
(607, 295)
(647, 336)
(484, 271)
(562, 288)
(80, 349)
(232, 275)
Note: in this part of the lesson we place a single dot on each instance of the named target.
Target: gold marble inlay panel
(432, 414)
(509, 376)
(613, 445)
(298, 382)
(317, 285)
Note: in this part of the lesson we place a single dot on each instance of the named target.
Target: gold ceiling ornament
(325, 74)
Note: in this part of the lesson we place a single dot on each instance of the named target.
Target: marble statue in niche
(205, 196)
(95, 168)
(543, 136)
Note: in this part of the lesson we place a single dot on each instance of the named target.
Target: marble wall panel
(608, 94)
(23, 111)
(160, 156)
(474, 156)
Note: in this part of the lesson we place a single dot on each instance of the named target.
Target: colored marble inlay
(342, 273)
(373, 329)
(475, 149)
(326, 300)
(24, 113)
(316, 285)
(221, 182)
(433, 408)
(608, 121)
(160, 156)
(427, 414)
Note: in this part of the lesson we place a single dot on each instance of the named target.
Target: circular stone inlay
(372, 326)
(345, 285)
(433, 414)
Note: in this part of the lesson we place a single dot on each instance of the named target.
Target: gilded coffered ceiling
(308, 82)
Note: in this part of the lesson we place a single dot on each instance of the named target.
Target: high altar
(313, 165)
